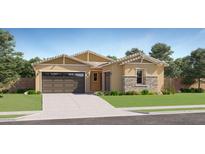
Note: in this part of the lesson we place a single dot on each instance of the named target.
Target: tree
(112, 57)
(187, 69)
(27, 68)
(132, 51)
(162, 52)
(34, 60)
(174, 69)
(194, 67)
(8, 59)
(198, 64)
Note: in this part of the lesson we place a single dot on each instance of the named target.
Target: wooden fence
(23, 83)
(176, 84)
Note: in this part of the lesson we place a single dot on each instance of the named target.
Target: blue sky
(51, 42)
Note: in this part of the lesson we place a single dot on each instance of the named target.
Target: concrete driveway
(67, 106)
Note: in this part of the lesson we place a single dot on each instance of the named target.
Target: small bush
(1, 96)
(106, 93)
(21, 91)
(129, 93)
(5, 91)
(166, 92)
(32, 92)
(191, 90)
(200, 90)
(145, 92)
(38, 92)
(114, 93)
(121, 93)
(99, 93)
(152, 93)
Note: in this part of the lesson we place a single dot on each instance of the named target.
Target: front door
(96, 81)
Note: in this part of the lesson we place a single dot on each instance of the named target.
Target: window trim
(94, 76)
(141, 69)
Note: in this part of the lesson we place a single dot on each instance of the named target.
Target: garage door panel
(71, 82)
(69, 85)
(58, 91)
(58, 86)
(47, 86)
(47, 91)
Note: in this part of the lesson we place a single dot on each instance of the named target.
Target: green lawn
(10, 116)
(156, 100)
(20, 102)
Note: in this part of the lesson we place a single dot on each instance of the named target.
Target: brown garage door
(63, 82)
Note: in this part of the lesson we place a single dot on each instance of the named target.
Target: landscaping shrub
(21, 91)
(200, 90)
(1, 96)
(5, 91)
(121, 93)
(129, 93)
(106, 93)
(99, 93)
(32, 92)
(166, 92)
(191, 90)
(145, 92)
(38, 92)
(114, 93)
(152, 93)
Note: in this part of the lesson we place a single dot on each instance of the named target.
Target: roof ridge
(61, 55)
(49, 58)
(137, 54)
(92, 52)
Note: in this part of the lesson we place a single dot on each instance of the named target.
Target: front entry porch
(95, 80)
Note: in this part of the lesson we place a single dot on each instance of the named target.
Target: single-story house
(88, 71)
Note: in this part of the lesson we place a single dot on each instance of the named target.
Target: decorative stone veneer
(152, 83)
(130, 83)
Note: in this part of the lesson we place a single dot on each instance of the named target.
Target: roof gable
(92, 57)
(137, 57)
(61, 59)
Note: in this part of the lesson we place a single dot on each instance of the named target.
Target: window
(139, 76)
(95, 76)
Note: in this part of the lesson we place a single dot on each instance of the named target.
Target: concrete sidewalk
(176, 112)
(162, 107)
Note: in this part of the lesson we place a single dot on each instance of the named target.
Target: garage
(63, 82)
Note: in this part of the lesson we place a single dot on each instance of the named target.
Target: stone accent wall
(130, 83)
(152, 83)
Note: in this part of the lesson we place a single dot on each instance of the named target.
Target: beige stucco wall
(119, 71)
(61, 68)
(116, 76)
(149, 70)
